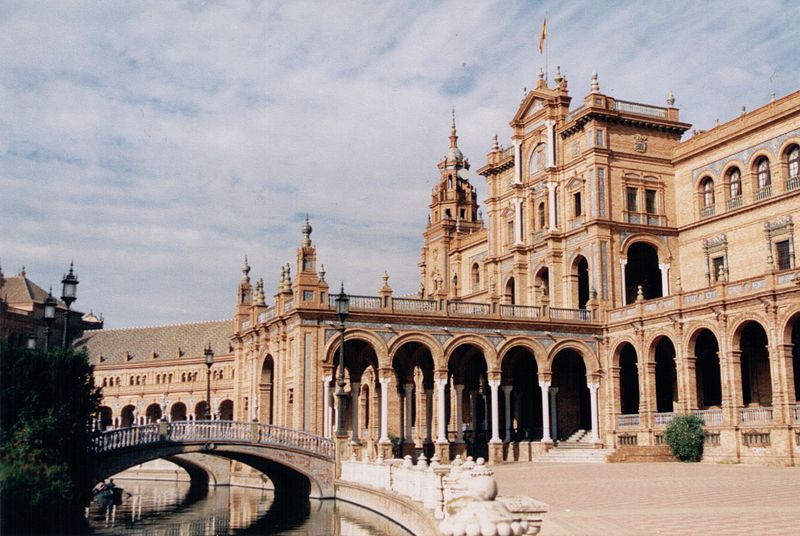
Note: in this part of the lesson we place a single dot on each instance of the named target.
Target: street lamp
(31, 340)
(209, 353)
(342, 309)
(49, 316)
(69, 290)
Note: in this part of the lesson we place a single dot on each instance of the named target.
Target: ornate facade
(615, 276)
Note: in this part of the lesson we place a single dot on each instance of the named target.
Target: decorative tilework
(743, 157)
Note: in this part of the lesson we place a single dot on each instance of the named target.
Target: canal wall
(400, 510)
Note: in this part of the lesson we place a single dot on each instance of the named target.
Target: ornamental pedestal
(496, 452)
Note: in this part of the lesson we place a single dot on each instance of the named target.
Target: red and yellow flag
(544, 35)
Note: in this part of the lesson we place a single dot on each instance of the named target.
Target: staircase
(578, 448)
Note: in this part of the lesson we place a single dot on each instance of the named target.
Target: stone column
(428, 414)
(409, 390)
(551, 201)
(593, 387)
(551, 142)
(385, 409)
(507, 393)
(518, 238)
(690, 393)
(473, 404)
(442, 445)
(545, 387)
(326, 396)
(355, 391)
(553, 412)
(664, 267)
(459, 389)
(622, 262)
(518, 161)
(493, 386)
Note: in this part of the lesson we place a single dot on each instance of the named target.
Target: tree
(685, 436)
(47, 403)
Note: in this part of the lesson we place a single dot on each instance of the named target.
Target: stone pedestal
(459, 449)
(385, 450)
(409, 449)
(524, 451)
(443, 451)
(495, 452)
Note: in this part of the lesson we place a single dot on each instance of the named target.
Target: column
(355, 391)
(518, 221)
(545, 387)
(326, 397)
(551, 202)
(459, 413)
(593, 387)
(409, 389)
(428, 414)
(664, 267)
(473, 405)
(385, 409)
(493, 385)
(441, 385)
(551, 142)
(517, 161)
(622, 262)
(553, 413)
(507, 393)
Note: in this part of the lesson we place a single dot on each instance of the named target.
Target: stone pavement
(659, 498)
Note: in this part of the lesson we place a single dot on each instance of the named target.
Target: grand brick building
(614, 276)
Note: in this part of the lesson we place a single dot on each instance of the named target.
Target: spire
(260, 298)
(282, 281)
(595, 85)
(306, 233)
(288, 282)
(558, 78)
(453, 136)
(495, 143)
(322, 274)
(245, 271)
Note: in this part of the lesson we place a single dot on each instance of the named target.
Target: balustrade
(641, 109)
(413, 305)
(521, 311)
(792, 183)
(663, 419)
(628, 421)
(469, 308)
(711, 417)
(763, 193)
(755, 415)
(575, 315)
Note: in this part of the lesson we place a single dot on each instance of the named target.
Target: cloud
(156, 144)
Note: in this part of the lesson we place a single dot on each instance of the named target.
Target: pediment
(575, 183)
(532, 105)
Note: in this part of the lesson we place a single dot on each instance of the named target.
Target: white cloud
(157, 144)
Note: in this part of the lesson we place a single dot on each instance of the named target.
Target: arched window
(537, 161)
(762, 172)
(708, 193)
(541, 216)
(793, 159)
(735, 182)
(476, 276)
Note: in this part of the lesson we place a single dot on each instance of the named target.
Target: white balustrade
(413, 305)
(628, 421)
(663, 419)
(469, 308)
(755, 415)
(521, 311)
(711, 417)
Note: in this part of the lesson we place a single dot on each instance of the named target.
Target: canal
(167, 508)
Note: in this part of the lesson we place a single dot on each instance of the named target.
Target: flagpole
(546, 47)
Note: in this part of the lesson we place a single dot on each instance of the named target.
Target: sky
(158, 143)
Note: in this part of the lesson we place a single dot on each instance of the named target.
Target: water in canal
(172, 508)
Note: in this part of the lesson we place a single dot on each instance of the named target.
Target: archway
(467, 366)
(177, 412)
(152, 413)
(796, 354)
(542, 281)
(521, 417)
(509, 295)
(265, 384)
(201, 411)
(127, 416)
(226, 410)
(666, 376)
(359, 356)
(642, 269)
(580, 282)
(105, 419)
(756, 378)
(628, 380)
(707, 370)
(413, 367)
(572, 407)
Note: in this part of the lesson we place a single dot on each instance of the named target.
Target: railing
(414, 305)
(266, 315)
(576, 315)
(628, 421)
(755, 415)
(763, 193)
(705, 212)
(734, 202)
(792, 183)
(521, 311)
(508, 151)
(235, 431)
(574, 113)
(663, 419)
(364, 302)
(469, 308)
(641, 109)
(711, 417)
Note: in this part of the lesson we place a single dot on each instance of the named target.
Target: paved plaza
(659, 498)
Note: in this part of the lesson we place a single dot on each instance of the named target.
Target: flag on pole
(544, 35)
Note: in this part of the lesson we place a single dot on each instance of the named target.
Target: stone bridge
(295, 461)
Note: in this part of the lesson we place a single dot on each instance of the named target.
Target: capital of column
(663, 266)
(441, 383)
(494, 384)
(507, 388)
(409, 388)
(545, 384)
(623, 261)
(553, 390)
(594, 386)
(327, 378)
(458, 387)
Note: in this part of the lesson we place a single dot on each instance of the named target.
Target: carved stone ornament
(640, 144)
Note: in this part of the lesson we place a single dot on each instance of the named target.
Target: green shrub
(684, 435)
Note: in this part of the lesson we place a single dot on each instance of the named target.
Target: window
(541, 216)
(718, 263)
(650, 201)
(762, 172)
(783, 255)
(735, 181)
(308, 295)
(632, 194)
(599, 139)
(577, 200)
(794, 161)
(708, 193)
(476, 276)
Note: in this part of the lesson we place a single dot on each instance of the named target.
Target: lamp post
(342, 309)
(68, 295)
(31, 344)
(209, 361)
(49, 317)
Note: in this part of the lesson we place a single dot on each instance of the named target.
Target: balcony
(411, 305)
(574, 315)
(645, 218)
(640, 109)
(705, 212)
(792, 183)
(628, 421)
(734, 202)
(521, 311)
(711, 417)
(763, 193)
(759, 415)
(663, 419)
(469, 308)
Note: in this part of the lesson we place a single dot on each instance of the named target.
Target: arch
(225, 410)
(104, 417)
(153, 412)
(537, 159)
(733, 178)
(127, 416)
(791, 158)
(521, 402)
(541, 214)
(628, 359)
(201, 411)
(424, 339)
(590, 360)
(378, 345)
(759, 166)
(580, 281)
(510, 291)
(791, 338)
(664, 355)
(642, 269)
(704, 345)
(177, 412)
(571, 401)
(265, 402)
(475, 276)
(755, 364)
(707, 192)
(488, 351)
(542, 281)
(532, 345)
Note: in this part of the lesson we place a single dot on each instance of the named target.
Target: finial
(322, 273)
(670, 99)
(245, 271)
(639, 293)
(288, 277)
(385, 278)
(541, 74)
(22, 272)
(772, 96)
(595, 85)
(744, 109)
(260, 292)
(558, 78)
(453, 136)
(716, 122)
(282, 281)
(306, 229)
(495, 143)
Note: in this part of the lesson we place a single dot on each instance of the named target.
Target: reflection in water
(174, 508)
